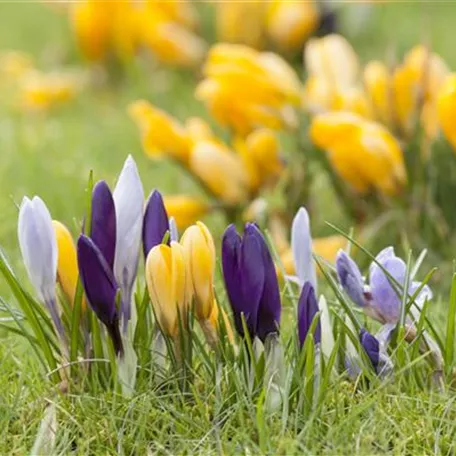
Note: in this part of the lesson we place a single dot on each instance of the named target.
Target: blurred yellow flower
(362, 152)
(245, 89)
(167, 283)
(185, 209)
(446, 109)
(199, 250)
(14, 64)
(161, 134)
(377, 82)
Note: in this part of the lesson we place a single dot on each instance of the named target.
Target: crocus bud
(200, 256)
(129, 201)
(67, 266)
(100, 287)
(185, 209)
(350, 278)
(307, 309)
(446, 107)
(167, 284)
(38, 246)
(301, 245)
(378, 84)
(251, 281)
(156, 222)
(371, 347)
(103, 231)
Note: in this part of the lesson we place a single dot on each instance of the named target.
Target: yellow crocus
(67, 264)
(353, 100)
(221, 171)
(289, 24)
(161, 134)
(200, 255)
(378, 85)
(166, 278)
(179, 11)
(185, 209)
(446, 109)
(14, 64)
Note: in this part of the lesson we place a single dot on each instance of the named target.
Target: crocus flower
(379, 299)
(307, 309)
(168, 286)
(251, 281)
(100, 287)
(199, 250)
(128, 200)
(39, 251)
(185, 209)
(446, 105)
(156, 222)
(371, 347)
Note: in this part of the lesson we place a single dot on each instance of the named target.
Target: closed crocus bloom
(161, 134)
(185, 209)
(183, 12)
(333, 59)
(67, 265)
(166, 279)
(128, 201)
(371, 346)
(221, 171)
(156, 222)
(350, 278)
(289, 24)
(353, 100)
(92, 28)
(378, 85)
(200, 256)
(251, 281)
(446, 108)
(104, 226)
(100, 287)
(124, 18)
(307, 309)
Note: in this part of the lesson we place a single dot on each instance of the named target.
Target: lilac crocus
(156, 222)
(100, 286)
(307, 309)
(251, 281)
(371, 346)
(381, 297)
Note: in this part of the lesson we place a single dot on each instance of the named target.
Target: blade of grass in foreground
(449, 342)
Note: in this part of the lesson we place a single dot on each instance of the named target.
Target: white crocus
(301, 245)
(327, 336)
(129, 203)
(39, 251)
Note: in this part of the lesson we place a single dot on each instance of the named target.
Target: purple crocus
(156, 222)
(307, 309)
(251, 281)
(371, 346)
(381, 298)
(100, 286)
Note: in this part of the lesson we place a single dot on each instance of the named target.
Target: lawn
(52, 155)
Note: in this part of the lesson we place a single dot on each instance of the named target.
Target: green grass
(51, 156)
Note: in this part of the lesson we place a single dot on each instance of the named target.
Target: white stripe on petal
(173, 231)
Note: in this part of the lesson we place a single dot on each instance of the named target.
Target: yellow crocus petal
(327, 247)
(430, 119)
(318, 95)
(161, 133)
(377, 81)
(214, 321)
(332, 58)
(198, 129)
(220, 170)
(92, 28)
(67, 264)
(166, 282)
(124, 28)
(352, 100)
(291, 23)
(185, 209)
(181, 11)
(200, 256)
(446, 109)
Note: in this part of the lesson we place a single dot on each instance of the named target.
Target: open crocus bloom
(380, 299)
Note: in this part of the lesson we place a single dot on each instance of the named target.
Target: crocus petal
(243, 271)
(129, 201)
(38, 246)
(301, 245)
(327, 336)
(173, 231)
(155, 222)
(307, 309)
(350, 278)
(103, 230)
(371, 347)
(270, 308)
(424, 295)
(97, 279)
(385, 299)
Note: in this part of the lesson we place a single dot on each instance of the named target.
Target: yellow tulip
(161, 134)
(166, 278)
(446, 109)
(185, 209)
(289, 24)
(221, 171)
(200, 256)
